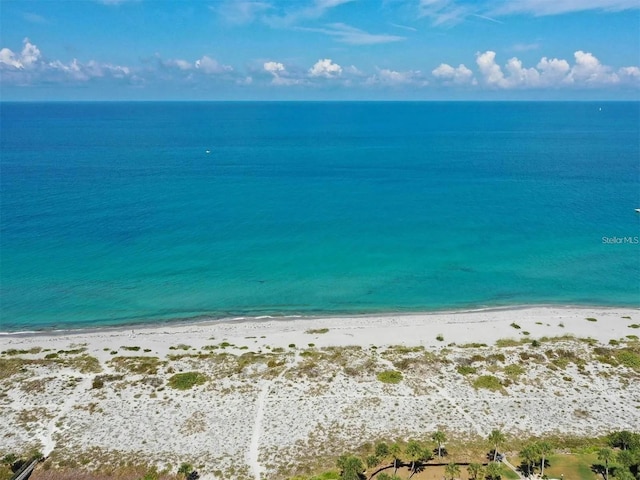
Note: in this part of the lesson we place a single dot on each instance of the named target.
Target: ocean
(127, 213)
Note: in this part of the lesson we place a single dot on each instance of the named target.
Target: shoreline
(212, 320)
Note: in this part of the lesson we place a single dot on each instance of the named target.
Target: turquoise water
(114, 212)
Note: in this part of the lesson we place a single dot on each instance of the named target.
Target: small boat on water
(637, 210)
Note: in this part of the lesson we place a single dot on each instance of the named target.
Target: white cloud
(388, 77)
(316, 10)
(460, 75)
(557, 7)
(590, 71)
(553, 72)
(30, 67)
(630, 74)
(179, 64)
(9, 59)
(325, 68)
(279, 74)
(443, 12)
(27, 59)
(274, 67)
(353, 36)
(586, 72)
(448, 12)
(490, 70)
(211, 66)
(241, 12)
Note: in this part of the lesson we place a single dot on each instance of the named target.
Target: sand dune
(264, 404)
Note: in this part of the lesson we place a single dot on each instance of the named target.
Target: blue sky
(319, 49)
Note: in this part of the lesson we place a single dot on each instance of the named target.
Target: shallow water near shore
(114, 213)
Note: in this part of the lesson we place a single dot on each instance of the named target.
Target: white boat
(638, 210)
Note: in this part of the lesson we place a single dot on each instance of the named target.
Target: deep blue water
(114, 212)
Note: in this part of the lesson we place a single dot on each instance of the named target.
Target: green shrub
(628, 359)
(390, 376)
(186, 380)
(516, 326)
(488, 381)
(466, 370)
(440, 337)
(591, 319)
(513, 370)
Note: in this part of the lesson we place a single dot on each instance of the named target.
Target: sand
(263, 415)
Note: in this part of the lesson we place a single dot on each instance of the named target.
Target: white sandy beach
(250, 420)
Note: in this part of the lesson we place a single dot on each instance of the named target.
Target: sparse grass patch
(634, 325)
(139, 365)
(507, 342)
(186, 380)
(315, 331)
(591, 319)
(473, 345)
(516, 326)
(131, 349)
(390, 376)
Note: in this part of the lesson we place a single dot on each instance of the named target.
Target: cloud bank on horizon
(312, 49)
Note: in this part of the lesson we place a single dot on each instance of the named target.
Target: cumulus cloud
(279, 74)
(586, 72)
(325, 68)
(590, 71)
(30, 67)
(274, 67)
(461, 75)
(26, 59)
(211, 66)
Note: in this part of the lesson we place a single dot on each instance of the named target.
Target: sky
(320, 50)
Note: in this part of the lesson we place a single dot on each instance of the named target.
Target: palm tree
(439, 437)
(606, 455)
(496, 439)
(544, 449)
(475, 470)
(395, 451)
(414, 451)
(452, 471)
(494, 471)
(530, 455)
